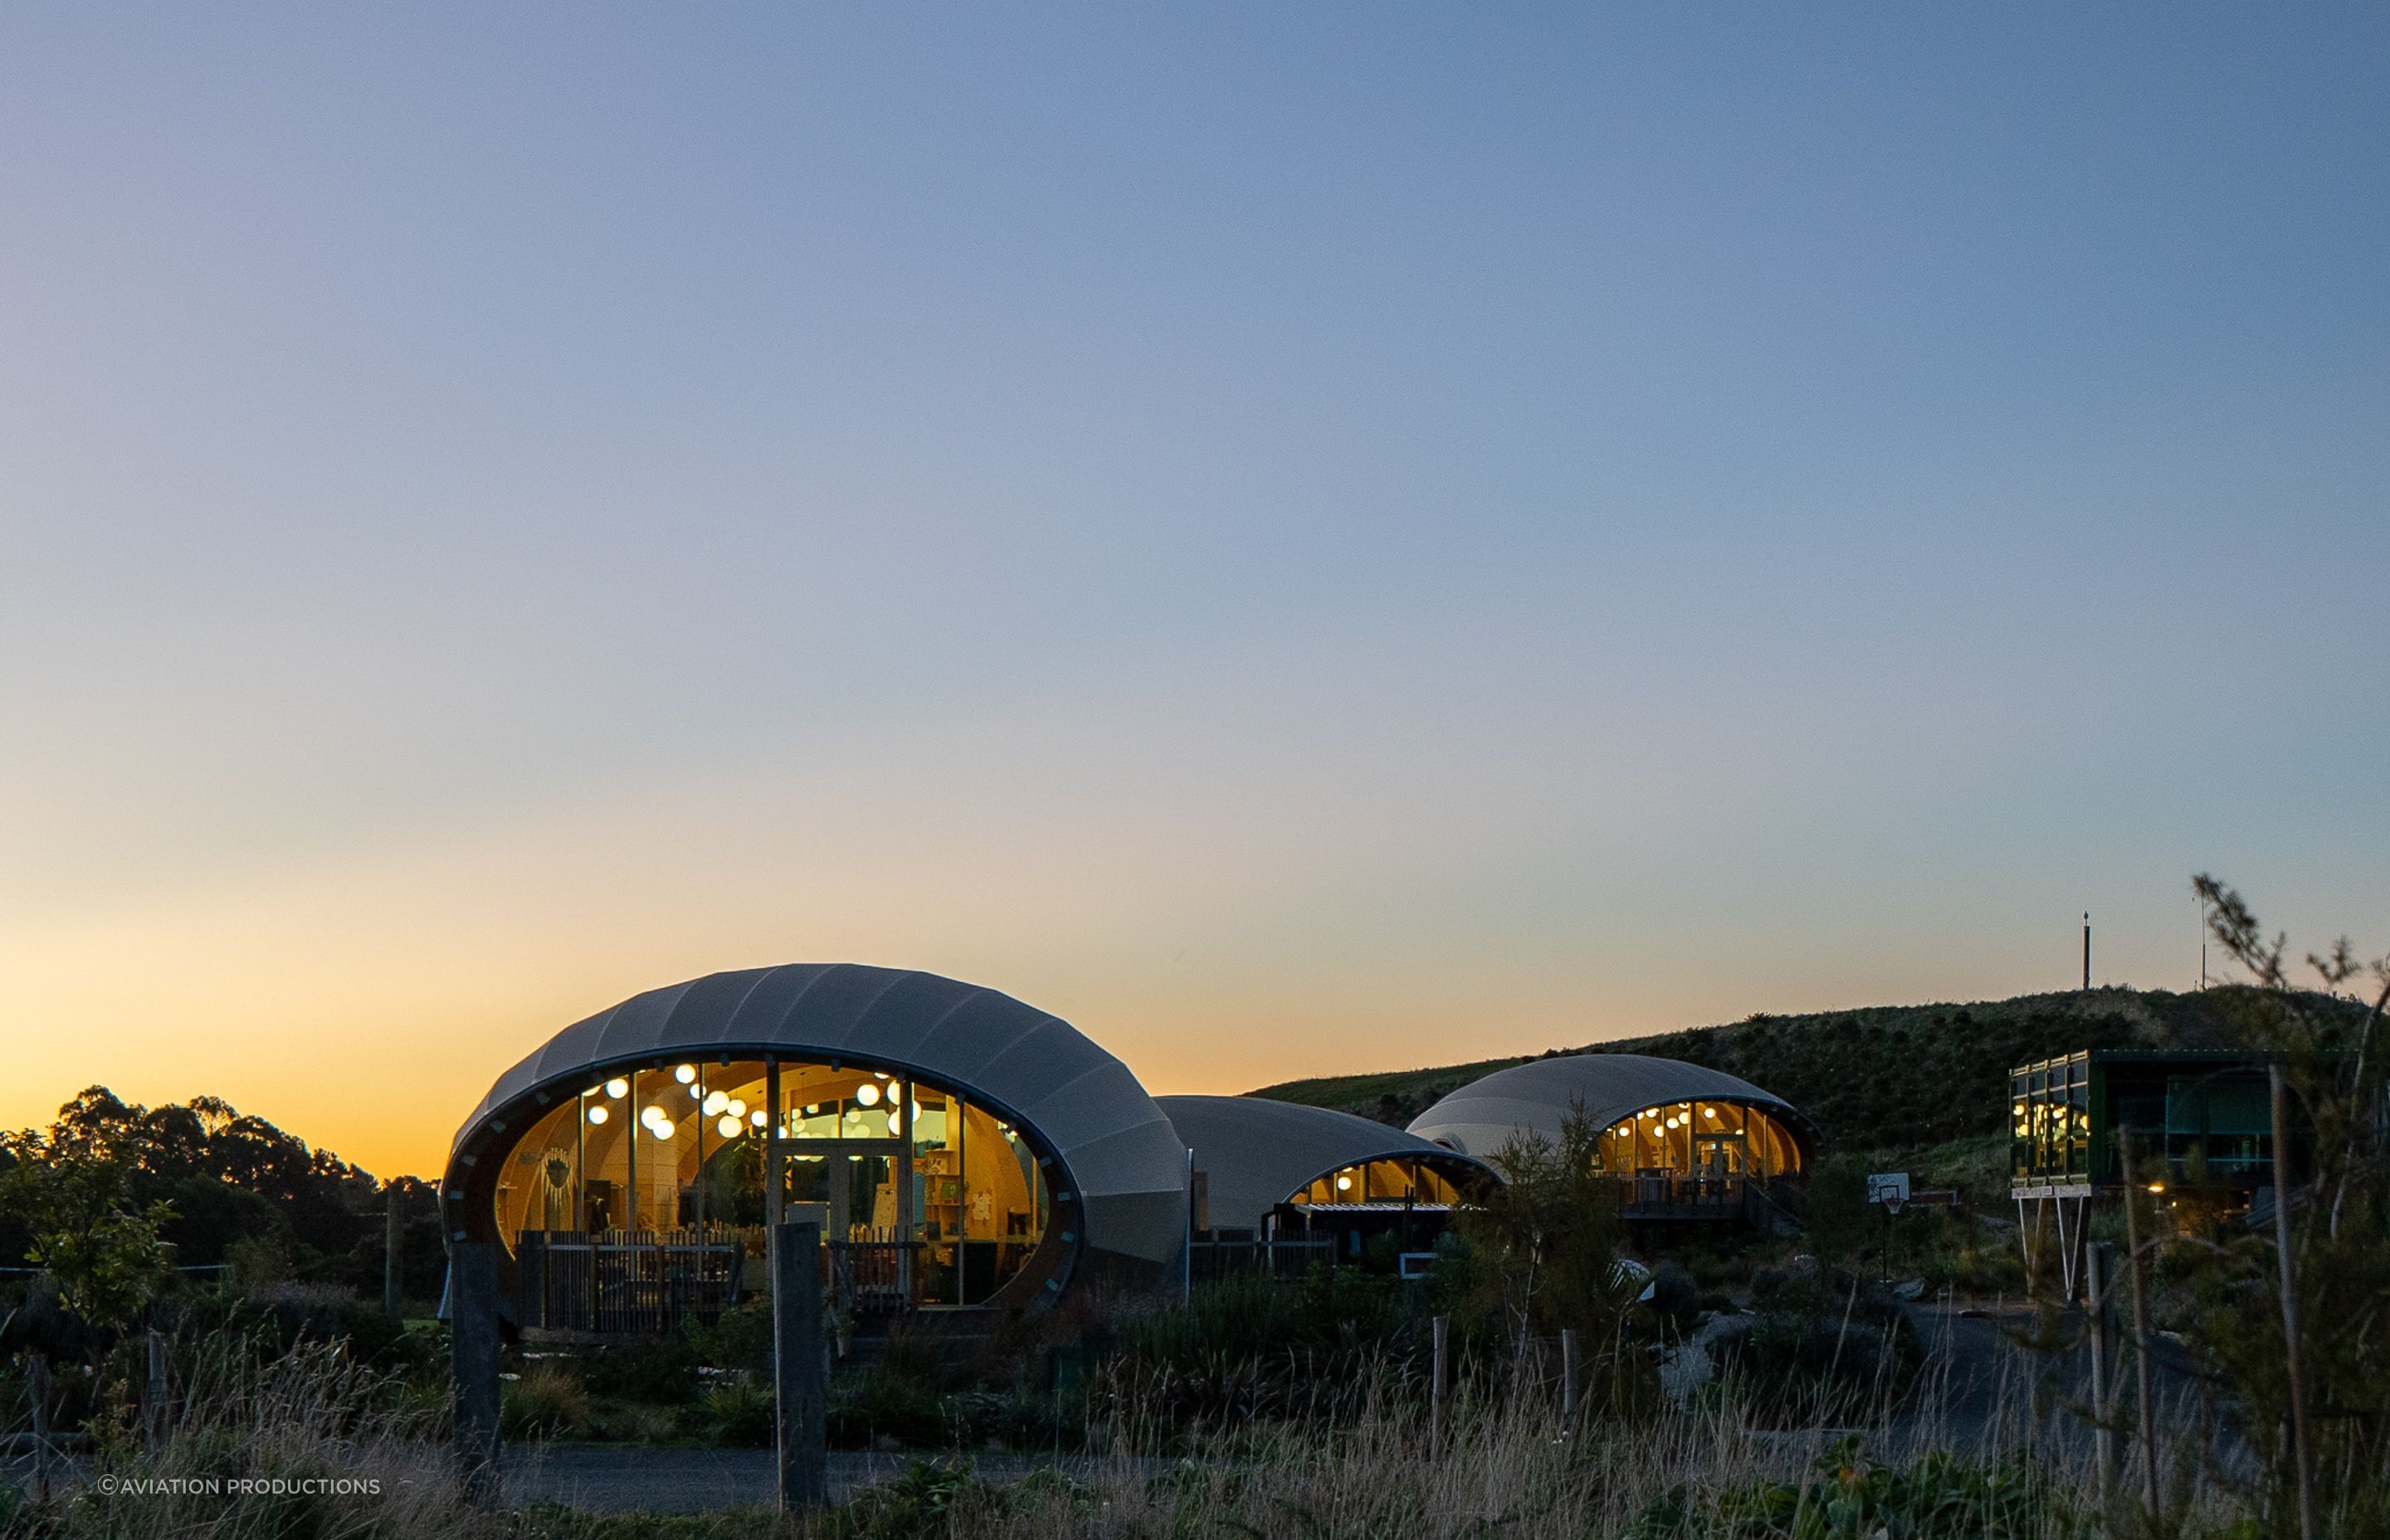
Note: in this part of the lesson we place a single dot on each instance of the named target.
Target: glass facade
(2209, 1114)
(1698, 1138)
(949, 1200)
(1398, 1181)
(2049, 1121)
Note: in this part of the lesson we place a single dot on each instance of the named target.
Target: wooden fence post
(1568, 1376)
(1439, 1328)
(798, 1424)
(37, 1388)
(2100, 1275)
(154, 1394)
(473, 1364)
(2301, 1451)
(2147, 1407)
(393, 1227)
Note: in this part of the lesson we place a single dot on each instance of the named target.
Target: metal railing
(612, 1284)
(1209, 1259)
(872, 1278)
(1682, 1196)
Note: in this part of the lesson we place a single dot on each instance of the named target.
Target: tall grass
(269, 1443)
(1354, 1458)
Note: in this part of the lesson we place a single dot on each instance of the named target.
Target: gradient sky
(1303, 539)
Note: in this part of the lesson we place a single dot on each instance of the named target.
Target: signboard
(1888, 1188)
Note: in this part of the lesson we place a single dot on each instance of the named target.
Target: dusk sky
(1301, 539)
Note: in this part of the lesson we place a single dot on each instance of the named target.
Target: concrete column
(797, 1364)
(474, 1364)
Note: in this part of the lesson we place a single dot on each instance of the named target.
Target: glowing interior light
(686, 1073)
(618, 1088)
(879, 1075)
(779, 1132)
(2157, 1186)
(757, 1118)
(596, 1114)
(1710, 1112)
(728, 1128)
(895, 1121)
(696, 1092)
(737, 1108)
(867, 1094)
(660, 1129)
(896, 1094)
(1344, 1184)
(715, 1103)
(813, 1108)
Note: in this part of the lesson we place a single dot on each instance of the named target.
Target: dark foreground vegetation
(1735, 1385)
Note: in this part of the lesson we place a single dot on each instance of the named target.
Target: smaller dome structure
(1657, 1116)
(1256, 1154)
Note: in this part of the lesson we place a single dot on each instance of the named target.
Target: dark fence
(1210, 1259)
(576, 1283)
(1677, 1197)
(873, 1277)
(608, 1283)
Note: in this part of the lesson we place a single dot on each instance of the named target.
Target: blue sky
(1301, 539)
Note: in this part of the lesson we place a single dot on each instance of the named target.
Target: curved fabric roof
(1254, 1153)
(1124, 1159)
(1534, 1096)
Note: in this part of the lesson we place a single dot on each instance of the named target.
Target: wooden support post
(799, 1426)
(776, 1158)
(2101, 1316)
(1440, 1330)
(393, 1229)
(1568, 1376)
(531, 1279)
(2145, 1397)
(2301, 1451)
(473, 1364)
(153, 1394)
(37, 1389)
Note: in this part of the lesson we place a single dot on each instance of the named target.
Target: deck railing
(608, 1283)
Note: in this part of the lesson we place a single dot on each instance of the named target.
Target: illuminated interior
(1699, 1139)
(882, 1162)
(1403, 1181)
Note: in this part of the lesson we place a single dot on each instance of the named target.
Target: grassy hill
(1878, 1077)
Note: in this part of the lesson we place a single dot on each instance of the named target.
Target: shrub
(661, 1371)
(734, 1413)
(547, 1401)
(937, 1498)
(739, 1338)
(1939, 1497)
(863, 1408)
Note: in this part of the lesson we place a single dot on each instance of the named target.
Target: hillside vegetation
(1876, 1077)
